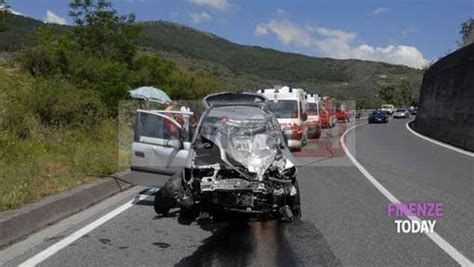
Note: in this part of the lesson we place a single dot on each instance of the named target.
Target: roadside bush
(53, 136)
(107, 79)
(37, 61)
(63, 158)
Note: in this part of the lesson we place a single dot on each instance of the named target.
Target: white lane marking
(448, 146)
(437, 239)
(50, 251)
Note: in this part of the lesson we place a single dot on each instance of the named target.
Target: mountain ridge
(240, 66)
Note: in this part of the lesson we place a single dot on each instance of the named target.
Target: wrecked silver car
(237, 162)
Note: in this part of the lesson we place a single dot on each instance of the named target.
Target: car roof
(234, 99)
(239, 112)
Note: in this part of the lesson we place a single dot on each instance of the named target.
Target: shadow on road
(268, 243)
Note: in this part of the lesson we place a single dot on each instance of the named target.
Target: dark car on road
(378, 116)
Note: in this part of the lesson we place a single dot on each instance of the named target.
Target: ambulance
(314, 121)
(289, 106)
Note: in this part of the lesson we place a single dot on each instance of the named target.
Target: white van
(388, 108)
(289, 106)
(314, 119)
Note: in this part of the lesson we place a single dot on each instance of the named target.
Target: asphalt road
(344, 216)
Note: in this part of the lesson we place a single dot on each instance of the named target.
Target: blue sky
(405, 32)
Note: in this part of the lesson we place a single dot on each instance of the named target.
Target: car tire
(165, 198)
(162, 204)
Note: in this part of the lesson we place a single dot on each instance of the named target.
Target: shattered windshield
(247, 135)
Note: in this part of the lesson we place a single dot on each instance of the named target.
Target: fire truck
(328, 113)
(289, 106)
(342, 114)
(314, 120)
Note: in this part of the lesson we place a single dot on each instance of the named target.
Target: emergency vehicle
(342, 114)
(328, 113)
(289, 106)
(314, 121)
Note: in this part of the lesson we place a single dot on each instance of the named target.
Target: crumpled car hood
(256, 153)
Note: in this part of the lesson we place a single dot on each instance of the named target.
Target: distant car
(388, 108)
(378, 116)
(401, 113)
(413, 110)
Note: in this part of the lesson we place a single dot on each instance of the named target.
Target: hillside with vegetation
(240, 67)
(60, 96)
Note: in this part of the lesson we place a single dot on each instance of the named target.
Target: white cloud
(261, 30)
(15, 12)
(400, 54)
(380, 10)
(216, 4)
(53, 18)
(199, 17)
(288, 33)
(337, 44)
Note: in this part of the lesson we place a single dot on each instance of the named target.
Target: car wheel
(163, 203)
(166, 198)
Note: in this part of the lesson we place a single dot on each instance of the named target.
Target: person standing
(170, 106)
(185, 108)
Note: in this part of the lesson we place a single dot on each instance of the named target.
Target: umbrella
(151, 94)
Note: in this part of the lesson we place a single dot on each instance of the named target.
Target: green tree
(388, 94)
(102, 32)
(467, 33)
(3, 16)
(404, 95)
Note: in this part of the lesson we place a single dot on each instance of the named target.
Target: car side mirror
(175, 143)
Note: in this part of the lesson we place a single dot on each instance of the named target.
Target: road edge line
(445, 145)
(435, 237)
(53, 249)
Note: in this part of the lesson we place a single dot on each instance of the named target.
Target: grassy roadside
(48, 159)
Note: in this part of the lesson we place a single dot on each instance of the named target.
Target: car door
(158, 150)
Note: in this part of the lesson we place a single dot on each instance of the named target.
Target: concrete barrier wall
(446, 104)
